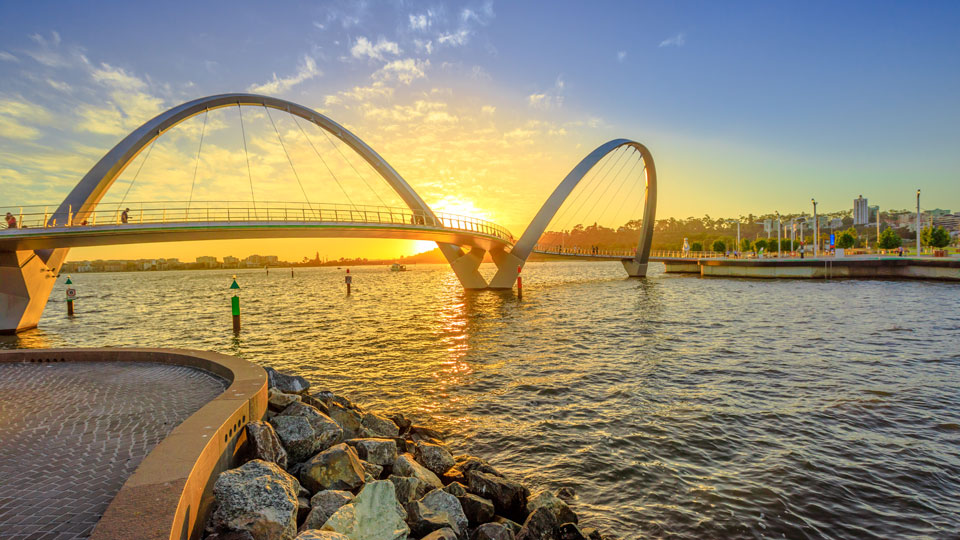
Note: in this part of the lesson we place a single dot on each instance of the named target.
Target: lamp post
(779, 228)
(918, 223)
(816, 230)
(736, 248)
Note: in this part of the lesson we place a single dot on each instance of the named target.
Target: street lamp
(737, 247)
(779, 228)
(918, 222)
(816, 230)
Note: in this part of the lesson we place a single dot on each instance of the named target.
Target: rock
(379, 451)
(303, 508)
(349, 420)
(492, 531)
(406, 465)
(257, 497)
(548, 500)
(372, 469)
(375, 514)
(436, 510)
(570, 531)
(467, 463)
(408, 488)
(445, 533)
(477, 509)
(263, 443)
(323, 505)
(540, 525)
(379, 426)
(302, 442)
(329, 397)
(566, 494)
(230, 535)
(321, 535)
(510, 498)
(337, 467)
(456, 489)
(592, 533)
(278, 401)
(314, 402)
(424, 433)
(434, 457)
(401, 421)
(304, 492)
(511, 525)
(288, 384)
(453, 475)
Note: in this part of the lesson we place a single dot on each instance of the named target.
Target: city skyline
(464, 104)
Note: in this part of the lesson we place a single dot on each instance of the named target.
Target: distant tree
(847, 221)
(759, 244)
(846, 240)
(745, 244)
(719, 246)
(889, 239)
(937, 237)
(696, 246)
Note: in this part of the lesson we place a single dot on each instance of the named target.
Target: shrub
(937, 237)
(846, 240)
(719, 246)
(889, 239)
(696, 246)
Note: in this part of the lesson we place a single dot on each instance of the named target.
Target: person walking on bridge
(125, 216)
(11, 221)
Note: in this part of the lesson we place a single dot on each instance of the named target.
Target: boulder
(321, 535)
(456, 489)
(467, 463)
(408, 488)
(374, 514)
(348, 419)
(323, 505)
(406, 465)
(329, 397)
(230, 535)
(436, 510)
(303, 508)
(548, 500)
(540, 525)
(510, 498)
(434, 457)
(314, 402)
(570, 531)
(278, 401)
(379, 451)
(566, 493)
(263, 443)
(288, 384)
(592, 533)
(372, 469)
(337, 467)
(445, 533)
(303, 436)
(453, 475)
(258, 497)
(401, 421)
(492, 531)
(424, 433)
(379, 426)
(477, 509)
(511, 525)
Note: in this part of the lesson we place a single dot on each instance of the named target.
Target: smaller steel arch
(507, 270)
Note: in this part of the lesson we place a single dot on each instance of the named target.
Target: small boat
(397, 267)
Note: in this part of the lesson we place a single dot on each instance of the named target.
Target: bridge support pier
(634, 268)
(465, 265)
(507, 265)
(26, 280)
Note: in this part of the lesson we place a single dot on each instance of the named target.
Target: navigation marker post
(349, 281)
(519, 284)
(71, 296)
(235, 305)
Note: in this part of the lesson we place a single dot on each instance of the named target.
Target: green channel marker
(235, 306)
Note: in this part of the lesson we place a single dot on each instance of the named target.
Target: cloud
(676, 41)
(488, 109)
(47, 54)
(481, 16)
(305, 71)
(365, 48)
(117, 78)
(7, 57)
(377, 90)
(405, 71)
(421, 22)
(14, 113)
(549, 99)
(423, 46)
(59, 85)
(460, 37)
(621, 56)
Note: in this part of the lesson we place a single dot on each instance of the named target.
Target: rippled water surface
(675, 406)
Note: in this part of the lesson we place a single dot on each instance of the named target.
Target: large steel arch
(637, 266)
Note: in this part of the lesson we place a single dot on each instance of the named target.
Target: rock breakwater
(320, 467)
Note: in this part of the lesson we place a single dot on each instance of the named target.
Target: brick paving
(71, 433)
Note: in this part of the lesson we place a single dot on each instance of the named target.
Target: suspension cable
(630, 193)
(335, 179)
(243, 133)
(203, 130)
(289, 160)
(607, 173)
(597, 200)
(140, 168)
(645, 188)
(622, 183)
(582, 189)
(352, 167)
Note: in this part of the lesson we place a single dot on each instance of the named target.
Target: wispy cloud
(549, 99)
(117, 78)
(7, 57)
(404, 71)
(421, 21)
(364, 48)
(460, 37)
(305, 71)
(676, 41)
(621, 56)
(14, 115)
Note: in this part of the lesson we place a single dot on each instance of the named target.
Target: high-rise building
(861, 212)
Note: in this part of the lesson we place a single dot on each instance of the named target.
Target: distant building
(861, 212)
(230, 262)
(836, 223)
(950, 222)
(208, 262)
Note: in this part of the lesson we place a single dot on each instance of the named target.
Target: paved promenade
(71, 434)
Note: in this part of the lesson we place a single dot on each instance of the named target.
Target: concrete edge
(169, 495)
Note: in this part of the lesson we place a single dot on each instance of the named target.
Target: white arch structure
(509, 264)
(27, 276)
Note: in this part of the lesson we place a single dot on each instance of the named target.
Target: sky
(483, 107)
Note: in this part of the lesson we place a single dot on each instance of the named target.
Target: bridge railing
(106, 214)
(687, 254)
(581, 251)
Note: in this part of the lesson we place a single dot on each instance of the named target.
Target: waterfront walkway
(71, 433)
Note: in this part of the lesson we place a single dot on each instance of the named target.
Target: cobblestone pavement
(71, 433)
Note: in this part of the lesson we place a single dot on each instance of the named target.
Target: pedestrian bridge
(32, 254)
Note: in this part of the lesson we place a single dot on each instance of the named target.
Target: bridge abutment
(26, 281)
(634, 268)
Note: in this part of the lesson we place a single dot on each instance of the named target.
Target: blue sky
(748, 107)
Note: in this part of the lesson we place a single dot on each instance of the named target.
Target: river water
(675, 406)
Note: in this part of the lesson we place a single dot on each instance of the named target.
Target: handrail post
(20, 221)
(44, 217)
(69, 215)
